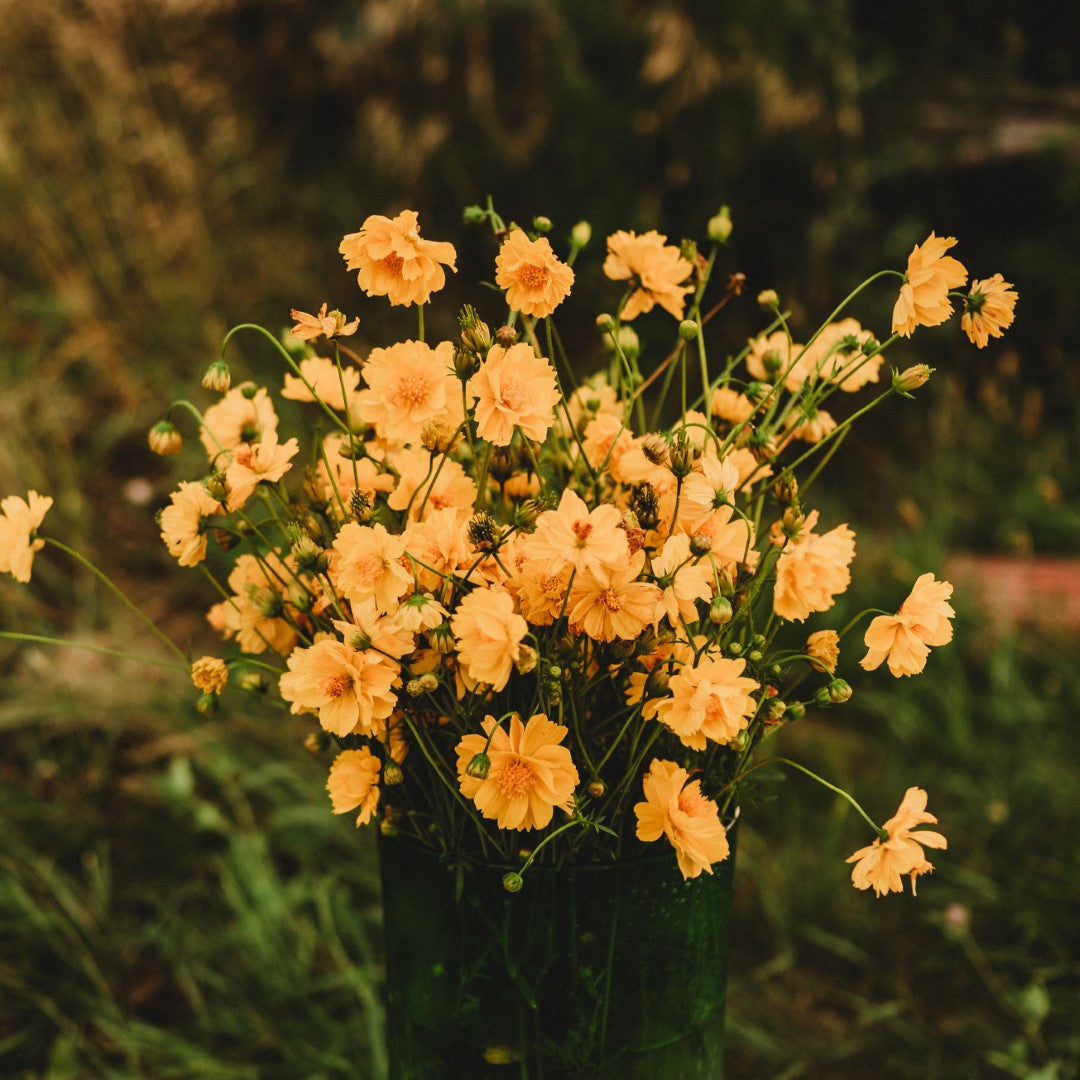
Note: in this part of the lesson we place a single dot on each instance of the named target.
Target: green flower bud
(478, 767)
(512, 882)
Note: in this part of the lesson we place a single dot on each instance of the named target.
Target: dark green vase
(605, 971)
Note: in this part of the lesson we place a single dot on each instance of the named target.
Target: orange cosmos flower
(351, 691)
(530, 774)
(683, 580)
(353, 782)
(608, 603)
(708, 489)
(536, 282)
(813, 570)
(367, 563)
(811, 428)
(252, 463)
(656, 267)
(836, 354)
(408, 384)
(19, 521)
(881, 865)
(183, 522)
(444, 486)
(710, 701)
(489, 633)
(988, 309)
(394, 262)
(775, 354)
(730, 405)
(321, 325)
(514, 388)
(823, 648)
(254, 613)
(323, 377)
(904, 639)
(924, 296)
(678, 810)
(575, 535)
(237, 419)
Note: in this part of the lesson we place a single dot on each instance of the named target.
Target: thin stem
(119, 594)
(63, 643)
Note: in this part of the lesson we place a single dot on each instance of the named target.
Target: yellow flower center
(533, 277)
(393, 264)
(368, 570)
(514, 778)
(333, 686)
(513, 396)
(410, 391)
(693, 803)
(611, 600)
(714, 710)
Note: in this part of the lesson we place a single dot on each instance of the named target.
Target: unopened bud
(505, 336)
(429, 682)
(441, 638)
(359, 641)
(768, 298)
(719, 227)
(207, 704)
(392, 774)
(526, 661)
(248, 389)
(839, 691)
(542, 224)
(466, 363)
(479, 766)
(700, 545)
(597, 788)
(580, 234)
(657, 682)
(413, 688)
(682, 455)
(911, 378)
(512, 882)
(164, 439)
(773, 710)
(525, 514)
(605, 323)
(688, 329)
(474, 215)
(217, 377)
(796, 710)
(720, 611)
(437, 436)
(475, 333)
(786, 489)
(309, 556)
(758, 391)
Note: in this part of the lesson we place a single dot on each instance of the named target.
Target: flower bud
(839, 691)
(248, 389)
(823, 648)
(682, 455)
(475, 333)
(688, 329)
(911, 378)
(441, 638)
(387, 827)
(773, 710)
(359, 641)
(429, 682)
(526, 514)
(786, 489)
(605, 323)
(719, 227)
(526, 661)
(768, 299)
(580, 234)
(720, 611)
(310, 558)
(164, 439)
(474, 215)
(217, 377)
(392, 774)
(796, 710)
(657, 682)
(758, 391)
(505, 336)
(700, 545)
(512, 882)
(597, 788)
(466, 363)
(479, 766)
(542, 224)
(413, 688)
(207, 704)
(210, 674)
(253, 682)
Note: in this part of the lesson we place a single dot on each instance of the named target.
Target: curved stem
(119, 594)
(40, 639)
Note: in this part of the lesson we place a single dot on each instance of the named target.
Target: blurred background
(176, 899)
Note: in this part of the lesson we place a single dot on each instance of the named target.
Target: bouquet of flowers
(542, 617)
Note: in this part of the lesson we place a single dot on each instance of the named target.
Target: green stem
(41, 640)
(120, 595)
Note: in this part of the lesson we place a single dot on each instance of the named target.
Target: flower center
(393, 264)
(410, 391)
(333, 686)
(582, 529)
(533, 277)
(244, 455)
(368, 569)
(693, 803)
(714, 709)
(611, 600)
(514, 778)
(513, 396)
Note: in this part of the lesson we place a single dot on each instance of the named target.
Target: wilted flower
(330, 325)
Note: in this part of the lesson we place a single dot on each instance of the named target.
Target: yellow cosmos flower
(489, 633)
(324, 378)
(988, 309)
(536, 282)
(514, 388)
(19, 521)
(813, 570)
(326, 325)
(709, 701)
(880, 866)
(904, 639)
(609, 602)
(366, 563)
(353, 782)
(530, 772)
(678, 810)
(393, 261)
(657, 269)
(209, 674)
(924, 296)
(183, 522)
